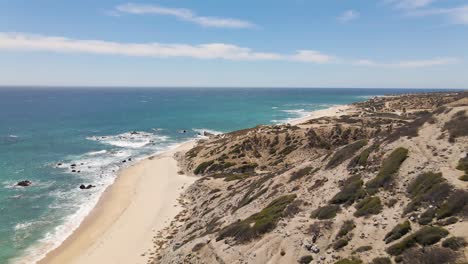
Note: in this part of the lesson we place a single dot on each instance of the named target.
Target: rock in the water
(207, 134)
(86, 187)
(25, 183)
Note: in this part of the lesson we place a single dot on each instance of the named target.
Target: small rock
(25, 183)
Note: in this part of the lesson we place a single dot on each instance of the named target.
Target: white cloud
(30, 42)
(409, 63)
(312, 56)
(457, 15)
(183, 14)
(410, 4)
(348, 15)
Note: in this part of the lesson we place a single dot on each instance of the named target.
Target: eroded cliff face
(382, 180)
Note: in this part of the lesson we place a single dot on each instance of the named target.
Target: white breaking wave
(130, 139)
(201, 131)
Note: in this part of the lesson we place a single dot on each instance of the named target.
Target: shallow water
(98, 129)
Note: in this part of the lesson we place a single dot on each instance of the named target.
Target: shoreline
(111, 227)
(110, 219)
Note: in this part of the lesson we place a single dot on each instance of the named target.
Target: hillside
(383, 182)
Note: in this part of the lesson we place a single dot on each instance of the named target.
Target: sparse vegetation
(397, 232)
(456, 203)
(425, 236)
(463, 166)
(381, 260)
(352, 260)
(429, 255)
(345, 153)
(457, 126)
(352, 190)
(361, 159)
(326, 212)
(368, 206)
(427, 188)
(389, 168)
(301, 173)
(362, 249)
(305, 259)
(449, 221)
(259, 223)
(202, 167)
(340, 243)
(347, 226)
(454, 243)
(411, 129)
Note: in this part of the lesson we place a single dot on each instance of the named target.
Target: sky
(242, 43)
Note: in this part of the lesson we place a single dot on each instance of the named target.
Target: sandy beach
(121, 227)
(142, 201)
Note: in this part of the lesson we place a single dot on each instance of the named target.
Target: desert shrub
(347, 226)
(429, 235)
(197, 247)
(254, 191)
(390, 166)
(397, 232)
(456, 203)
(245, 168)
(426, 188)
(429, 255)
(326, 212)
(340, 243)
(345, 153)
(391, 202)
(400, 247)
(463, 166)
(449, 221)
(361, 159)
(202, 167)
(352, 190)
(454, 243)
(362, 249)
(257, 224)
(235, 177)
(293, 208)
(352, 260)
(301, 173)
(425, 236)
(381, 260)
(426, 217)
(368, 206)
(457, 126)
(411, 129)
(305, 259)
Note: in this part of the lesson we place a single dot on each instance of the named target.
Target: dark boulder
(207, 134)
(25, 183)
(86, 187)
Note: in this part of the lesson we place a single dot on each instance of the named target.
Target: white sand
(120, 229)
(332, 111)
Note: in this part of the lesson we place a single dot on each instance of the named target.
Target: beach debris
(86, 187)
(24, 183)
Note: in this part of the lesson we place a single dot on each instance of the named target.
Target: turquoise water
(92, 128)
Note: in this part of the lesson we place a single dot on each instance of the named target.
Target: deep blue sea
(41, 128)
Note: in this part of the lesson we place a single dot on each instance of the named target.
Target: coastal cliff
(382, 182)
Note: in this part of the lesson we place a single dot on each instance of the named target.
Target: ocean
(44, 131)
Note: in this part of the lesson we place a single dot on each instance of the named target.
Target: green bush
(389, 168)
(301, 173)
(361, 159)
(345, 153)
(326, 212)
(429, 235)
(397, 232)
(235, 177)
(352, 190)
(426, 217)
(463, 177)
(449, 221)
(368, 206)
(457, 126)
(362, 249)
(305, 259)
(202, 167)
(456, 203)
(347, 226)
(429, 255)
(381, 260)
(454, 243)
(340, 243)
(427, 188)
(425, 236)
(257, 224)
(352, 260)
